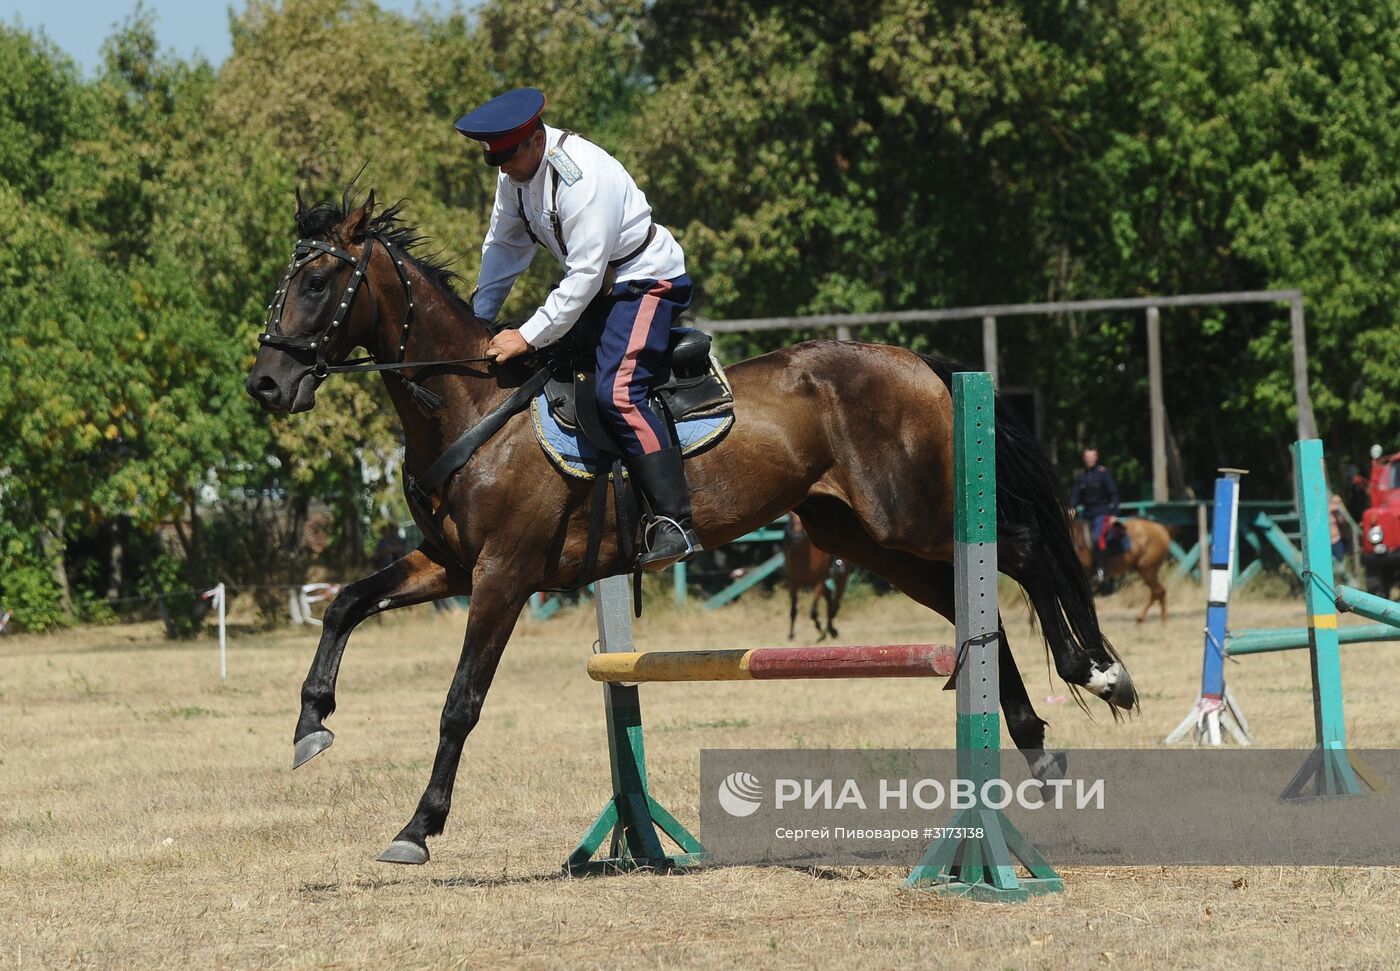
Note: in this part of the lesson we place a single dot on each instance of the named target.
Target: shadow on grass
(559, 876)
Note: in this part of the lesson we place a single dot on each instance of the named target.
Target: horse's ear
(301, 205)
(358, 222)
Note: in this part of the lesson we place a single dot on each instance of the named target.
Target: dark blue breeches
(633, 322)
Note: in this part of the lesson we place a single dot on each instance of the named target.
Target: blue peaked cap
(503, 123)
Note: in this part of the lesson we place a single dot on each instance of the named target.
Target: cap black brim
(504, 155)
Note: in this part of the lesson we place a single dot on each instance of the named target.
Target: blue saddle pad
(576, 456)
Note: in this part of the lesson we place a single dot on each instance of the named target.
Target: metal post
(989, 348)
(1328, 770)
(635, 819)
(843, 333)
(1307, 423)
(679, 579)
(981, 866)
(223, 634)
(1202, 539)
(1215, 708)
(1158, 405)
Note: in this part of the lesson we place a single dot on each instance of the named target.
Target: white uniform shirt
(604, 216)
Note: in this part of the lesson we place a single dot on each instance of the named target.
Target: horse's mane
(320, 221)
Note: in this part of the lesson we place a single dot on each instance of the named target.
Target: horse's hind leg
(930, 582)
(1156, 594)
(413, 579)
(833, 602)
(818, 592)
(792, 612)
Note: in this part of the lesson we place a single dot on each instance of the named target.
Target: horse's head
(323, 308)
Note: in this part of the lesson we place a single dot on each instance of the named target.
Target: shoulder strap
(554, 199)
(520, 207)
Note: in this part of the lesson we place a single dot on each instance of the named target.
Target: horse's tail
(1037, 549)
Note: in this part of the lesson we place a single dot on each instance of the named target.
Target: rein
(308, 250)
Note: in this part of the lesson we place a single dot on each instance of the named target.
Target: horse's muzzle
(281, 397)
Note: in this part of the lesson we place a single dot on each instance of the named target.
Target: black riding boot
(669, 534)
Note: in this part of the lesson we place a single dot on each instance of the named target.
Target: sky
(184, 26)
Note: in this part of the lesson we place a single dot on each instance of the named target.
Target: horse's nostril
(264, 388)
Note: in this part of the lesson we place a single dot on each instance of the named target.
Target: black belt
(624, 260)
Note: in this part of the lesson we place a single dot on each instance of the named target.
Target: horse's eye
(316, 284)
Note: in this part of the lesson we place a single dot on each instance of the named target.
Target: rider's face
(523, 165)
(1091, 458)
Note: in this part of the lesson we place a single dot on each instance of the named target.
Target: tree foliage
(811, 157)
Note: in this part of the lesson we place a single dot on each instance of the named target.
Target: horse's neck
(440, 331)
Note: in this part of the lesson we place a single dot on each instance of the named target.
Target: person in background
(1337, 523)
(1095, 496)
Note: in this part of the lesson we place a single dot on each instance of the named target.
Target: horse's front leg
(496, 604)
(413, 579)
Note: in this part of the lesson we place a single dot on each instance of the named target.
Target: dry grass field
(149, 817)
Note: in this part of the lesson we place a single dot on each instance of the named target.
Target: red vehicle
(1380, 524)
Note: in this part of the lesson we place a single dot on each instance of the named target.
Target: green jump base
(1327, 773)
(951, 886)
(984, 867)
(636, 822)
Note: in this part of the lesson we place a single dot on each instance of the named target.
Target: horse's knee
(458, 721)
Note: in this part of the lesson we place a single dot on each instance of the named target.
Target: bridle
(306, 252)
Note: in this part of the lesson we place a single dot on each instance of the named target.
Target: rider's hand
(506, 345)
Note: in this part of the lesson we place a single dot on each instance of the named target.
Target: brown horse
(1150, 542)
(857, 437)
(809, 568)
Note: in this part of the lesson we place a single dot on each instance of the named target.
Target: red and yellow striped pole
(775, 664)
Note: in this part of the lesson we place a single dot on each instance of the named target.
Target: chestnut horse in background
(856, 437)
(809, 568)
(1149, 545)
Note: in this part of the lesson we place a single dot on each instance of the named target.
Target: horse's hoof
(1114, 686)
(311, 746)
(1050, 765)
(404, 851)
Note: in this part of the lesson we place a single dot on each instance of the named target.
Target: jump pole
(981, 867)
(1330, 769)
(774, 664)
(1216, 713)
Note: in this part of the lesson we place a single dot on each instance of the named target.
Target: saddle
(1114, 537)
(697, 388)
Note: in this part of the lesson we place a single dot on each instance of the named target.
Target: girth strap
(459, 453)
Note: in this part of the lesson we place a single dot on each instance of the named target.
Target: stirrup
(652, 560)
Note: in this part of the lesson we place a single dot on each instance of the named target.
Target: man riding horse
(1096, 494)
(857, 438)
(624, 284)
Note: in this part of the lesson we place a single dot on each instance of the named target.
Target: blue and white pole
(1216, 709)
